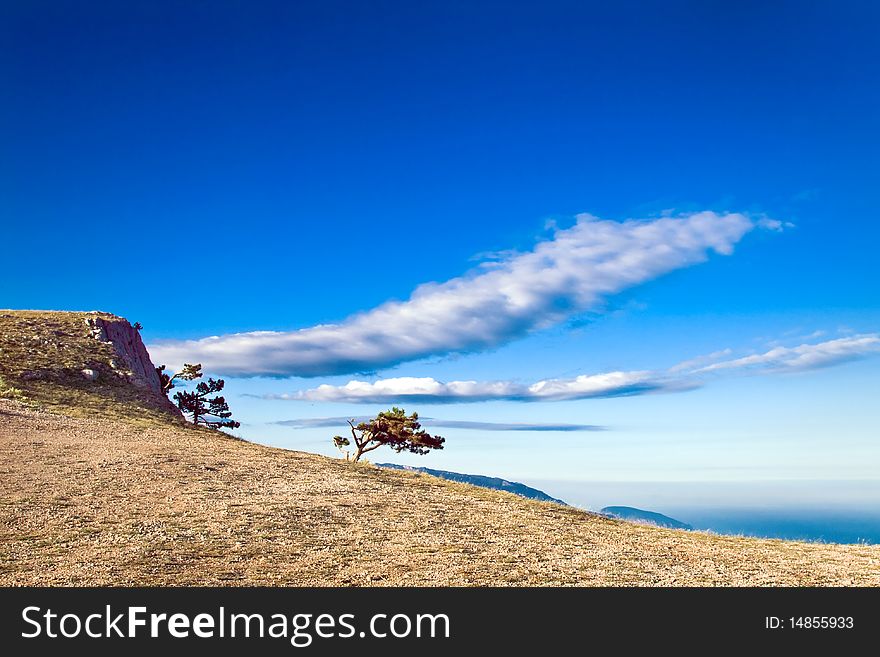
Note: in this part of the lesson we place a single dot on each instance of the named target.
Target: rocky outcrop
(85, 363)
(133, 360)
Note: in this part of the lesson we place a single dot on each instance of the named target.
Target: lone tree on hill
(211, 412)
(188, 373)
(401, 432)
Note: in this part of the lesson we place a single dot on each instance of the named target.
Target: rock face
(132, 360)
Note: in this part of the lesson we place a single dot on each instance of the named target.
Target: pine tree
(188, 373)
(401, 432)
(211, 412)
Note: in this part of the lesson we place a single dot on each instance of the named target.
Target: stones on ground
(96, 328)
(90, 374)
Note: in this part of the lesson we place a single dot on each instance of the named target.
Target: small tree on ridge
(211, 412)
(401, 432)
(188, 373)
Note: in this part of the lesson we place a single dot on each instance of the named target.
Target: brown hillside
(95, 500)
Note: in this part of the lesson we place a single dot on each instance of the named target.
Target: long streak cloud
(684, 376)
(342, 421)
(571, 272)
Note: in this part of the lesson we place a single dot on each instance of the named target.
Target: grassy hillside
(94, 497)
(42, 358)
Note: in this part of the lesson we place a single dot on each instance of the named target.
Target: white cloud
(774, 224)
(693, 363)
(686, 375)
(803, 357)
(573, 271)
(428, 390)
(342, 422)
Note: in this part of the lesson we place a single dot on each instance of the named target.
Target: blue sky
(219, 168)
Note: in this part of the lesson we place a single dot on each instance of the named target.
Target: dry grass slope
(92, 500)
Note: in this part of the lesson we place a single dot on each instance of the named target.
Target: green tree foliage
(212, 412)
(394, 428)
(202, 409)
(188, 373)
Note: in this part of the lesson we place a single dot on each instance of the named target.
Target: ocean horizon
(801, 510)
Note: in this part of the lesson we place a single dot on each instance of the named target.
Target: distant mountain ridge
(640, 515)
(480, 480)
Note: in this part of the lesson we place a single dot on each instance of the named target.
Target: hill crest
(91, 363)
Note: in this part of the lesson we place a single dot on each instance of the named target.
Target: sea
(805, 510)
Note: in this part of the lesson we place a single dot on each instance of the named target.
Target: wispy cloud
(320, 422)
(699, 361)
(774, 224)
(513, 426)
(428, 390)
(687, 375)
(802, 357)
(571, 272)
